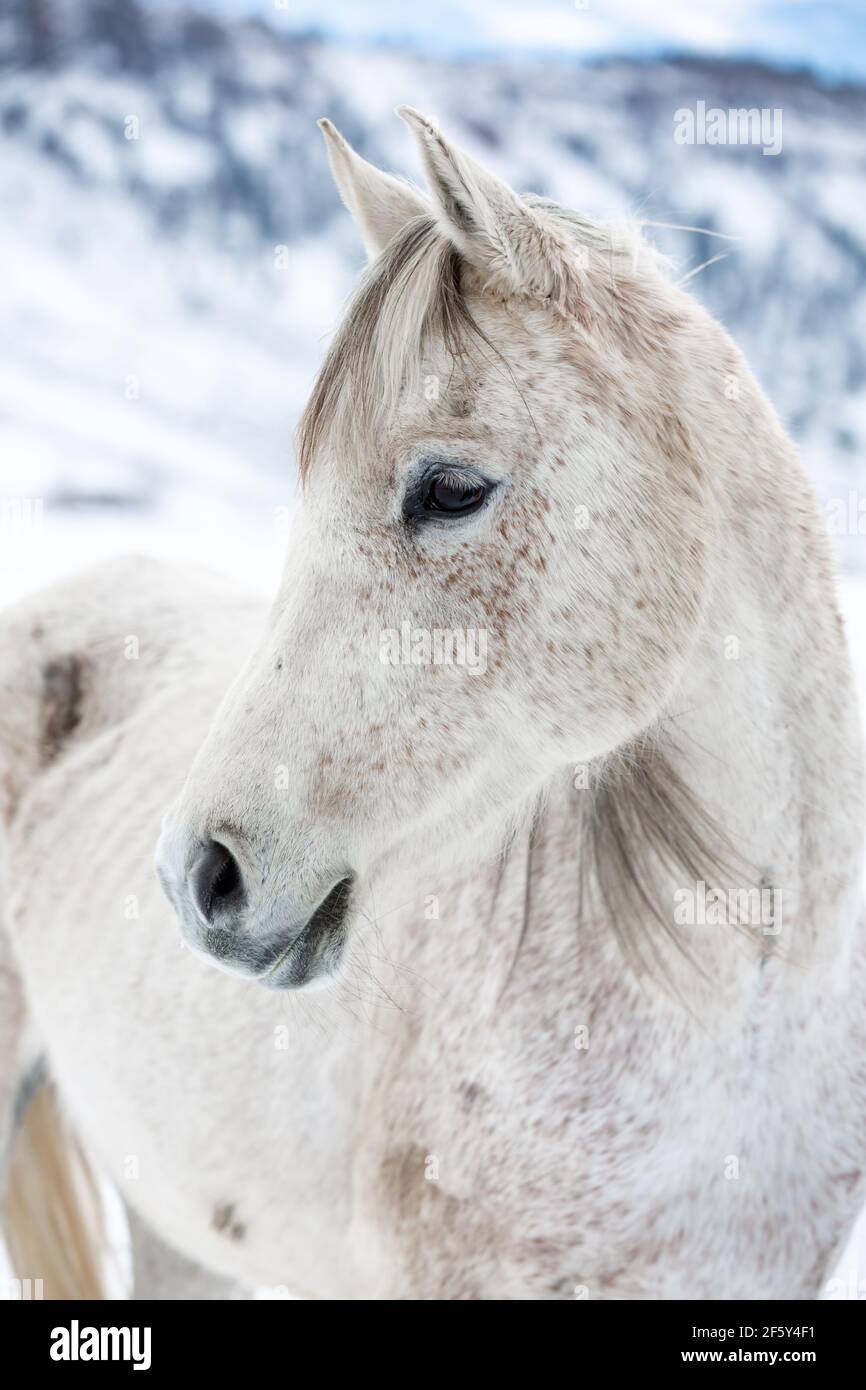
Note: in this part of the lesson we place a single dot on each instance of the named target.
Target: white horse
(544, 766)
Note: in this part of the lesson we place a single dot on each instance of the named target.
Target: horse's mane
(641, 826)
(409, 294)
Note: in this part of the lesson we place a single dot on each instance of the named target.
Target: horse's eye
(449, 493)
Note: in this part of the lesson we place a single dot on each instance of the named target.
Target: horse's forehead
(508, 381)
(453, 413)
(490, 393)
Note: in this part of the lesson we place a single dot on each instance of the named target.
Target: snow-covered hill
(173, 252)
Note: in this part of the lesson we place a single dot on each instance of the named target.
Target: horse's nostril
(216, 882)
(227, 880)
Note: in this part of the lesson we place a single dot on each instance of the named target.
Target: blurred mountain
(174, 253)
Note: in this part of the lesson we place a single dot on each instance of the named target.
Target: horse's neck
(766, 720)
(764, 728)
(763, 733)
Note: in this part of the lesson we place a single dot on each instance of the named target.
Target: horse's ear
(491, 225)
(380, 204)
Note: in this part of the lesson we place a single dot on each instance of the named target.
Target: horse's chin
(313, 957)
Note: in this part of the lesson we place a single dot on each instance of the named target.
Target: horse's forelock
(411, 294)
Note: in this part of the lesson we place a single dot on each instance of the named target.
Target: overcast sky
(828, 34)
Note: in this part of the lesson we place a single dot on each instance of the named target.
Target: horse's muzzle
(225, 916)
